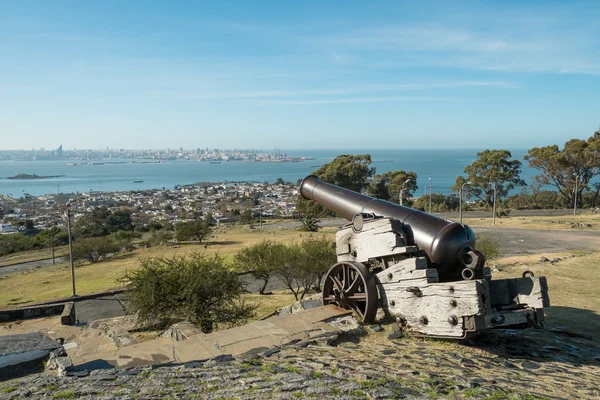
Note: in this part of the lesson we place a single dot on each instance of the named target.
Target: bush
(260, 259)
(309, 224)
(194, 230)
(196, 288)
(124, 239)
(489, 247)
(94, 249)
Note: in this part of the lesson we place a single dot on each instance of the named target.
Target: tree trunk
(596, 196)
(264, 286)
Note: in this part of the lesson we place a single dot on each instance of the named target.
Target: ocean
(442, 166)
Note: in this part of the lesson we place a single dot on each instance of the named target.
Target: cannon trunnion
(433, 283)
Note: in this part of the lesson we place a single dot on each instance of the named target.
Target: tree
(196, 288)
(260, 259)
(29, 225)
(439, 203)
(93, 224)
(302, 265)
(279, 181)
(94, 249)
(293, 272)
(119, 220)
(348, 171)
(491, 167)
(575, 165)
(320, 256)
(124, 239)
(194, 230)
(388, 186)
(246, 216)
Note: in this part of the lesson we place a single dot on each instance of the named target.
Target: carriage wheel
(351, 285)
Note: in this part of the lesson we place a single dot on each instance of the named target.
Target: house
(7, 228)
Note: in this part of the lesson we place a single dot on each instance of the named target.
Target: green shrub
(196, 288)
(488, 246)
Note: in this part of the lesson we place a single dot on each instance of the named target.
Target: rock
(396, 332)
(79, 373)
(271, 351)
(61, 364)
(252, 354)
(544, 259)
(530, 365)
(376, 328)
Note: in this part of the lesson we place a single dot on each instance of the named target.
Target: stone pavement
(499, 365)
(107, 343)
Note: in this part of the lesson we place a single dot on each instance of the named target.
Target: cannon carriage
(420, 269)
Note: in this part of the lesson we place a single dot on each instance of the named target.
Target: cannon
(423, 270)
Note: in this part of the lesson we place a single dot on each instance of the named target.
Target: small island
(33, 176)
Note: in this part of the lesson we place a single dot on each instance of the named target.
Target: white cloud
(358, 100)
(526, 46)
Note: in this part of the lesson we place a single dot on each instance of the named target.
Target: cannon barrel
(448, 244)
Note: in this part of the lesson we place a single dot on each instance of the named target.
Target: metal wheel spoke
(337, 283)
(329, 298)
(354, 286)
(358, 296)
(357, 310)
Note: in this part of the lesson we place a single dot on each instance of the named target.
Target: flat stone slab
(13, 344)
(25, 353)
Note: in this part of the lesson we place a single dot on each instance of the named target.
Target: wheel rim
(351, 285)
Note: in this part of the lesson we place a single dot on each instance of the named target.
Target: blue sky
(298, 74)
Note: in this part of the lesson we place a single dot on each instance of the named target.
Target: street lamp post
(430, 187)
(494, 207)
(575, 201)
(462, 188)
(402, 190)
(71, 250)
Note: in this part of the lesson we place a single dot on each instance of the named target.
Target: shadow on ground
(561, 340)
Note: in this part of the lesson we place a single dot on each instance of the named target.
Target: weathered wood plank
(364, 245)
(411, 268)
(499, 292)
(530, 291)
(533, 291)
(439, 302)
(506, 319)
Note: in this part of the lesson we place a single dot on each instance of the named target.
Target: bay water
(442, 166)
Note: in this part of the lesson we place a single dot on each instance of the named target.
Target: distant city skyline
(297, 75)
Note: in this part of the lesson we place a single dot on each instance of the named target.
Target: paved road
(517, 241)
(90, 310)
(512, 241)
(26, 266)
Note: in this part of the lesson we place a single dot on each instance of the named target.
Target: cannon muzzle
(448, 244)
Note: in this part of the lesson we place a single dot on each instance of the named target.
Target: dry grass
(573, 285)
(266, 304)
(33, 255)
(553, 223)
(51, 283)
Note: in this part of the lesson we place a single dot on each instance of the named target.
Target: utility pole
(575, 201)
(260, 215)
(71, 250)
(52, 245)
(430, 187)
(494, 207)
